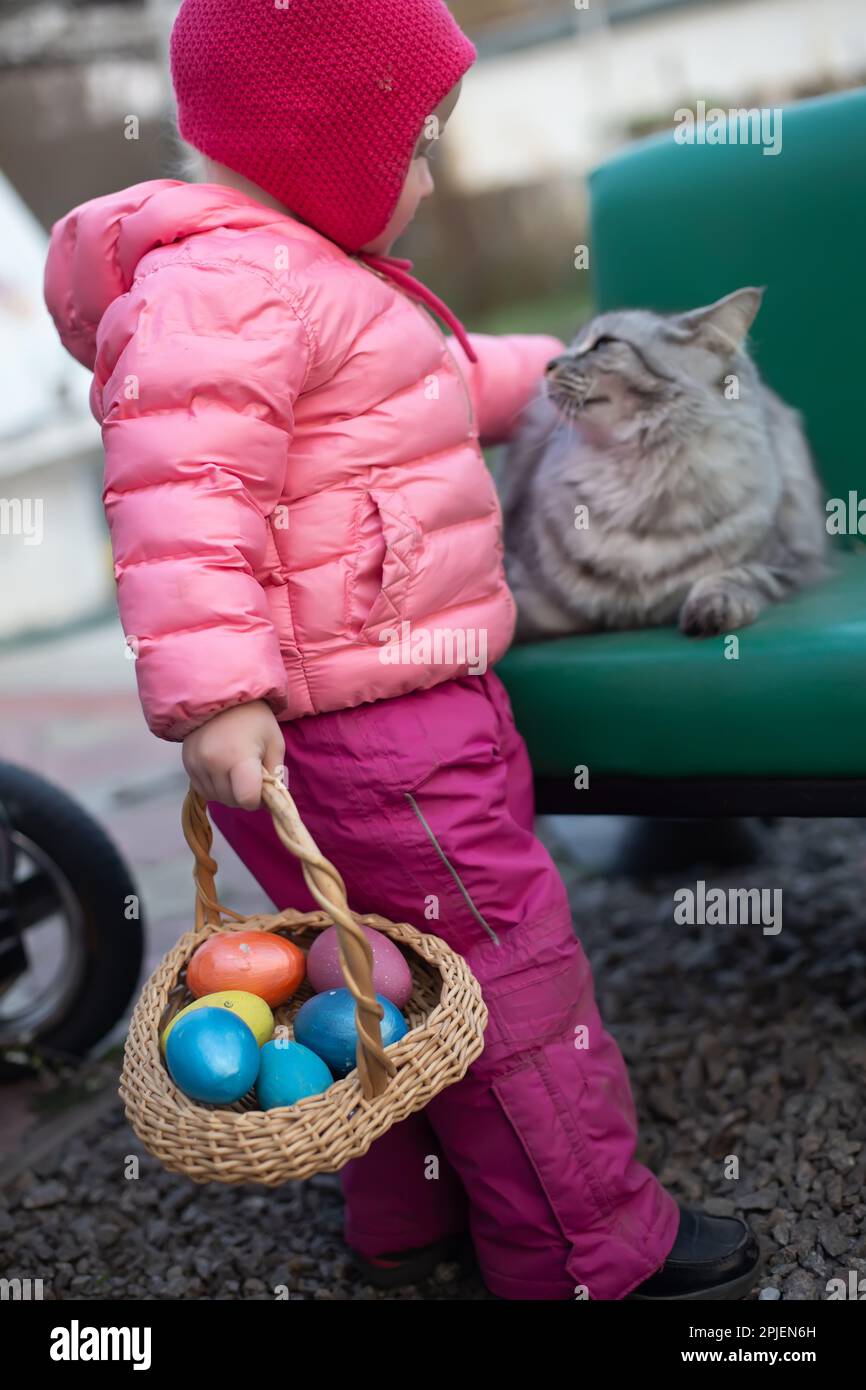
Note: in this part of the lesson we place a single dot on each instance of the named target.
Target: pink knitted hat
(320, 102)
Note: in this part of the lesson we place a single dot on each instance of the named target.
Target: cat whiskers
(568, 394)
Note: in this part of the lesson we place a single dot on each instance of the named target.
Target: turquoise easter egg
(288, 1072)
(391, 974)
(326, 1025)
(212, 1056)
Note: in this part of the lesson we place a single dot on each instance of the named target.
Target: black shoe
(713, 1257)
(399, 1267)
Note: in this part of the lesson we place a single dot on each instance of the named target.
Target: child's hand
(224, 757)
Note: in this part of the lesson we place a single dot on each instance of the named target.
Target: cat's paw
(712, 609)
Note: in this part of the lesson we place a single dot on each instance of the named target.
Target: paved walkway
(69, 710)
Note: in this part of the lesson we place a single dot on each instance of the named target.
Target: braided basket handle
(329, 891)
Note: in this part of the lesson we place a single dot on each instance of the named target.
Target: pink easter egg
(391, 975)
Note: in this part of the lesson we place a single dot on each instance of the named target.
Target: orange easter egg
(259, 962)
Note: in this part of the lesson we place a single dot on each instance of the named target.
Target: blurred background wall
(555, 88)
(558, 85)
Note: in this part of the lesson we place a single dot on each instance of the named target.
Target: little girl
(295, 490)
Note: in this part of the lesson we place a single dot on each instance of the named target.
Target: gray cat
(656, 479)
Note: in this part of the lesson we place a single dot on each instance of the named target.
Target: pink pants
(424, 802)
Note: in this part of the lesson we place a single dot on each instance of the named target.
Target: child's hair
(187, 162)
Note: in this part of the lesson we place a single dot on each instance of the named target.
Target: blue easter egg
(326, 1025)
(288, 1072)
(212, 1055)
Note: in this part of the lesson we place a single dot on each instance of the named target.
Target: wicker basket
(242, 1144)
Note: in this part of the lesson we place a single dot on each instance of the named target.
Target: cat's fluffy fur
(701, 507)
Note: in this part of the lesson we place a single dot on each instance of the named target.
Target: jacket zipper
(458, 369)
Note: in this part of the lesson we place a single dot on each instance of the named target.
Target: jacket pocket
(385, 565)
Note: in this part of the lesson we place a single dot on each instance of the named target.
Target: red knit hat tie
(396, 269)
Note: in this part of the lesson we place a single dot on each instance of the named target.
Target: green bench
(667, 725)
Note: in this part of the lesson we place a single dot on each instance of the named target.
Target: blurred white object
(556, 109)
(54, 558)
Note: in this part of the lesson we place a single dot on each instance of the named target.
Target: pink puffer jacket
(293, 471)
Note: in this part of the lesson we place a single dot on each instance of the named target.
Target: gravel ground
(739, 1044)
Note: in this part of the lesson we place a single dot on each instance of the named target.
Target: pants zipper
(451, 869)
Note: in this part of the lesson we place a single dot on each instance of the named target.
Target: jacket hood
(96, 249)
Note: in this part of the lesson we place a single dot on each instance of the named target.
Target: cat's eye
(593, 343)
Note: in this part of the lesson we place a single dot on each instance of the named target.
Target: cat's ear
(725, 324)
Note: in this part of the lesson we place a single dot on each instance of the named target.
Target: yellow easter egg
(249, 1007)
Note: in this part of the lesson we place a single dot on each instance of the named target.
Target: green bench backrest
(678, 225)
